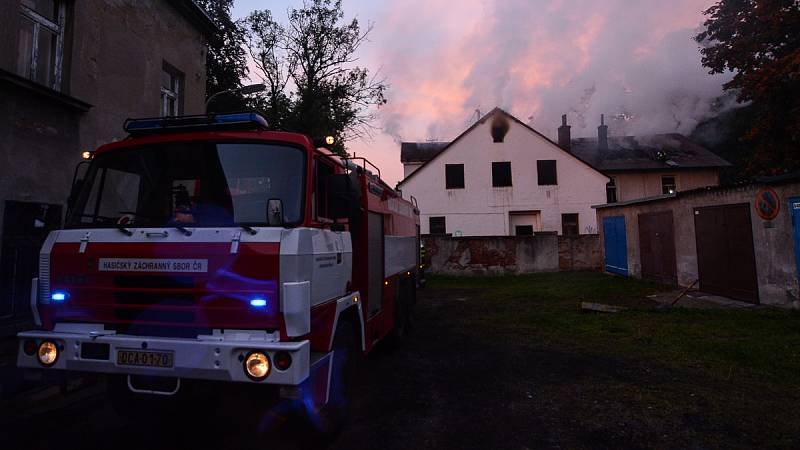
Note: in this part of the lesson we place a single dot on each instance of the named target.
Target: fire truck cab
(213, 248)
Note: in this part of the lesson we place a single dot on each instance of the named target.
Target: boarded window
(523, 230)
(546, 171)
(501, 174)
(454, 176)
(569, 225)
(668, 185)
(436, 225)
(611, 191)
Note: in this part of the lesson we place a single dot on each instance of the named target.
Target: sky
(448, 62)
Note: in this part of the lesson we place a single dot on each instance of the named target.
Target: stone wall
(502, 255)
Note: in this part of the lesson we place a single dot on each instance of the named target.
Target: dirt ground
(461, 383)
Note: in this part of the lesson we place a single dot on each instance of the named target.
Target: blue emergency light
(258, 302)
(59, 296)
(239, 120)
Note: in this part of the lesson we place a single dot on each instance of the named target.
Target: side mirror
(344, 197)
(275, 212)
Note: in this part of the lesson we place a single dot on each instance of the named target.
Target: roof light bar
(239, 120)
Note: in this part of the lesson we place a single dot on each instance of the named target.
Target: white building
(501, 177)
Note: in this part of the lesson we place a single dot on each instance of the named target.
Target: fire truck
(213, 248)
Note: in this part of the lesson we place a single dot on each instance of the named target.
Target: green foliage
(313, 84)
(226, 62)
(758, 41)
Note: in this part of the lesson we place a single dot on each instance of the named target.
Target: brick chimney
(602, 134)
(563, 134)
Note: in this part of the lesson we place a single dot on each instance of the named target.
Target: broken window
(171, 91)
(569, 225)
(41, 41)
(611, 191)
(501, 174)
(454, 176)
(436, 225)
(546, 172)
(668, 185)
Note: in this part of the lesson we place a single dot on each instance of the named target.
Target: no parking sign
(768, 204)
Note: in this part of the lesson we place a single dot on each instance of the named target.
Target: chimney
(602, 134)
(563, 134)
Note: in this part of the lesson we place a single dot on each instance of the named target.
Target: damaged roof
(411, 152)
(648, 152)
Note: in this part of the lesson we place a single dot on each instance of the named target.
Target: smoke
(636, 62)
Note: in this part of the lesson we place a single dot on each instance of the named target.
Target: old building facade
(501, 177)
(71, 72)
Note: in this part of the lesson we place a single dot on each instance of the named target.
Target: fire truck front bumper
(220, 357)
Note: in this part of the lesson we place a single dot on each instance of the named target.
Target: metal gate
(657, 247)
(726, 261)
(615, 244)
(25, 227)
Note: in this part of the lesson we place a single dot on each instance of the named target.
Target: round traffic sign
(768, 205)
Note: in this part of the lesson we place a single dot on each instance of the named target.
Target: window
(501, 174)
(321, 176)
(668, 185)
(523, 230)
(436, 225)
(546, 172)
(611, 191)
(569, 225)
(171, 91)
(41, 41)
(454, 176)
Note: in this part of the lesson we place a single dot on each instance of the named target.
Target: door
(615, 244)
(726, 261)
(657, 247)
(25, 227)
(794, 210)
(375, 261)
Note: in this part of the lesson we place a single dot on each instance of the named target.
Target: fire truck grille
(154, 315)
(154, 282)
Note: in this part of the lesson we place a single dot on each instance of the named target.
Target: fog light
(48, 353)
(29, 347)
(283, 360)
(256, 366)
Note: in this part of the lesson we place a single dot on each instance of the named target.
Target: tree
(758, 40)
(226, 63)
(309, 68)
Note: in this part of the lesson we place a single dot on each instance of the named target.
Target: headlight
(48, 353)
(256, 366)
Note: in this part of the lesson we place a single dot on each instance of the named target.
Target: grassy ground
(760, 345)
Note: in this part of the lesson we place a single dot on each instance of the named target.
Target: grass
(760, 345)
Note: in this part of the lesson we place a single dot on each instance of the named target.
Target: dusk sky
(634, 61)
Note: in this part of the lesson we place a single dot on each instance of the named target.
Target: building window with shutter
(611, 191)
(436, 225)
(40, 48)
(546, 172)
(454, 176)
(501, 174)
(171, 91)
(668, 185)
(569, 225)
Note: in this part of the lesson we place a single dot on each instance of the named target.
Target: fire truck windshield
(191, 184)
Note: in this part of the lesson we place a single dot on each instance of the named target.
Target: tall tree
(226, 63)
(309, 66)
(759, 41)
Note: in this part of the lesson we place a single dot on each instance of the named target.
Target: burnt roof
(411, 152)
(669, 151)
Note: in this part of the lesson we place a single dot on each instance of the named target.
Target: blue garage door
(616, 245)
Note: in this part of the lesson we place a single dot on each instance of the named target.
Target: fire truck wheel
(331, 418)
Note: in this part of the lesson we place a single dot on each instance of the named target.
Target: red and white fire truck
(211, 248)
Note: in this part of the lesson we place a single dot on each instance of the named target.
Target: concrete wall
(482, 210)
(500, 255)
(631, 186)
(776, 267)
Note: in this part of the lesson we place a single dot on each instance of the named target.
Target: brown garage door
(725, 258)
(657, 246)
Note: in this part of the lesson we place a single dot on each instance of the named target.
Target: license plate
(144, 358)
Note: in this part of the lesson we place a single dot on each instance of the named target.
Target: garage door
(657, 246)
(725, 257)
(615, 245)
